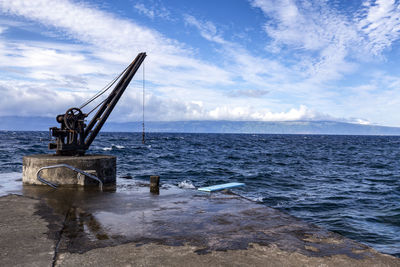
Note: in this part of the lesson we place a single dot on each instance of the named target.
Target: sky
(244, 60)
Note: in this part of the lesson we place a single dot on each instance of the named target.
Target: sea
(346, 184)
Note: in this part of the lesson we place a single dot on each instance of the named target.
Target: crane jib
(74, 137)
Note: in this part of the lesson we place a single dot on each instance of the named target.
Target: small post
(155, 184)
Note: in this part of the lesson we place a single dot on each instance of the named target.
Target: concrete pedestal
(102, 166)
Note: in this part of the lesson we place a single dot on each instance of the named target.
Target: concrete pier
(69, 227)
(101, 166)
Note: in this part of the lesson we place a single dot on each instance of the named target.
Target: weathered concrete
(179, 227)
(102, 166)
(24, 235)
(160, 255)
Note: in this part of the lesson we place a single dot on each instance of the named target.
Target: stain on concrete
(24, 234)
(211, 222)
(88, 227)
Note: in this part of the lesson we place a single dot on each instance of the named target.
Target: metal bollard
(155, 184)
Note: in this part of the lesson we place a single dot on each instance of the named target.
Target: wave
(113, 147)
(186, 184)
(11, 182)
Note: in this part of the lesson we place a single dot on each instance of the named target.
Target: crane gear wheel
(71, 117)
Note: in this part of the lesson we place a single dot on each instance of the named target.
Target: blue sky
(265, 60)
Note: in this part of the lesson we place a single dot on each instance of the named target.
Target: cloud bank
(311, 48)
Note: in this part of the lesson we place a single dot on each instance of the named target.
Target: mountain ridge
(14, 123)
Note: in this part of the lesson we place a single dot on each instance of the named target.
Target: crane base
(101, 166)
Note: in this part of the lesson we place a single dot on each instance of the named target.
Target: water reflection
(178, 217)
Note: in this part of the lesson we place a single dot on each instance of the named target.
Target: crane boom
(74, 137)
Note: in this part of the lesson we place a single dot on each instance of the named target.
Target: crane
(74, 137)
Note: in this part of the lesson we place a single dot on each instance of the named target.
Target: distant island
(13, 123)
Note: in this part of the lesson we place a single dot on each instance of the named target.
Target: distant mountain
(14, 123)
(258, 127)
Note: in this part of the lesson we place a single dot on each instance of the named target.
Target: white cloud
(109, 43)
(156, 10)
(324, 38)
(144, 10)
(305, 25)
(180, 85)
(60, 66)
(380, 22)
(182, 81)
(39, 100)
(207, 29)
(378, 100)
(362, 122)
(90, 25)
(248, 93)
(255, 70)
(176, 109)
(121, 37)
(339, 40)
(246, 113)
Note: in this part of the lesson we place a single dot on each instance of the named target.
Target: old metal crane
(74, 137)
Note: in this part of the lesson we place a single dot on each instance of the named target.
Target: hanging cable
(102, 91)
(143, 133)
(98, 105)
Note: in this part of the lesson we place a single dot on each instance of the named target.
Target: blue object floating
(220, 187)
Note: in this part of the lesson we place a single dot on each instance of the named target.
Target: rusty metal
(74, 137)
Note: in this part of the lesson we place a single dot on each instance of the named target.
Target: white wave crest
(113, 147)
(187, 184)
(11, 183)
(256, 199)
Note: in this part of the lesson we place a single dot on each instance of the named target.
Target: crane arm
(107, 107)
(74, 137)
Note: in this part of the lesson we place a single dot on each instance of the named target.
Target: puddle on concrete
(129, 213)
(178, 217)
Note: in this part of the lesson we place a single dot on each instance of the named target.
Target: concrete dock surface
(132, 227)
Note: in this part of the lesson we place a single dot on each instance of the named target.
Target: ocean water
(346, 184)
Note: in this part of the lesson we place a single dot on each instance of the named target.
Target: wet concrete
(26, 238)
(132, 226)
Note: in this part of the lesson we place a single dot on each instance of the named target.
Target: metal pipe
(41, 179)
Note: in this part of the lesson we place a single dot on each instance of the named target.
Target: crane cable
(106, 88)
(102, 91)
(143, 93)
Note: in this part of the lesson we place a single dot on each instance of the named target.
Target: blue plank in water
(220, 187)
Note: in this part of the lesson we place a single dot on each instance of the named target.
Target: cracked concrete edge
(132, 254)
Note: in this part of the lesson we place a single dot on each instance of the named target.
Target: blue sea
(346, 184)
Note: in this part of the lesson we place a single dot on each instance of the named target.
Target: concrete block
(102, 166)
(84, 180)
